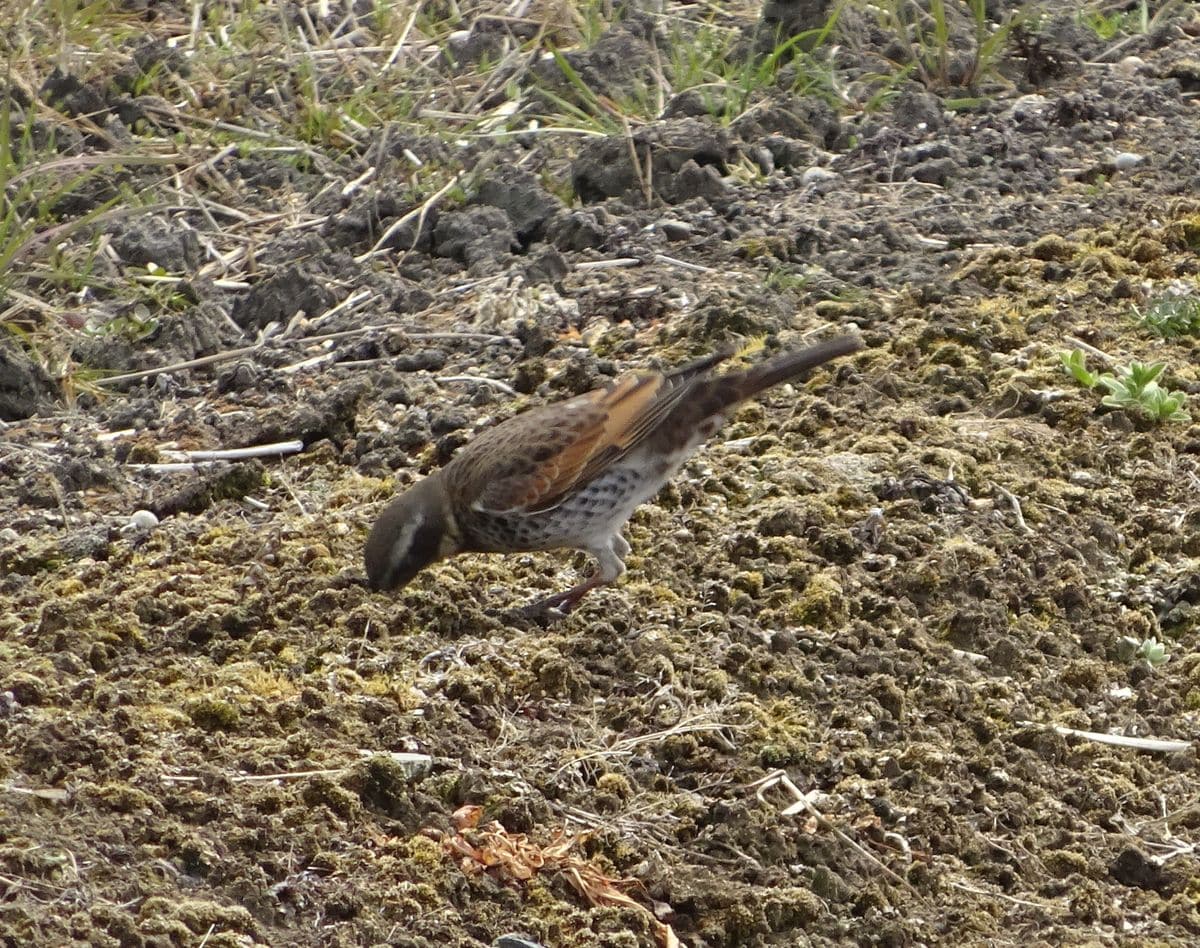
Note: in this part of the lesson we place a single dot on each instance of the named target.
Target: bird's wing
(531, 462)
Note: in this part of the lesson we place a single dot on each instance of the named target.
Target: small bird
(570, 474)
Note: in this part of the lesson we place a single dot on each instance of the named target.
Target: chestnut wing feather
(531, 462)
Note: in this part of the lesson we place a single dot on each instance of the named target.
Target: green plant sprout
(1135, 387)
(1149, 650)
(1170, 316)
(1075, 362)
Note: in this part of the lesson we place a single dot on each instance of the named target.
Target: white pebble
(143, 520)
(1128, 160)
(816, 175)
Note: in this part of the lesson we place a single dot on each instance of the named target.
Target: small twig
(198, 459)
(472, 336)
(174, 367)
(403, 40)
(1120, 740)
(625, 747)
(350, 302)
(287, 485)
(609, 264)
(1016, 508)
(1098, 353)
(239, 454)
(804, 805)
(170, 467)
(419, 213)
(482, 380)
(672, 261)
(312, 363)
(933, 242)
(229, 354)
(998, 895)
(350, 187)
(973, 657)
(404, 759)
(260, 778)
(49, 793)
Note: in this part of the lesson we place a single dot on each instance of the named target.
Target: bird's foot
(540, 613)
(555, 608)
(549, 610)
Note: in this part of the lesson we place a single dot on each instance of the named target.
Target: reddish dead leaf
(514, 858)
(467, 816)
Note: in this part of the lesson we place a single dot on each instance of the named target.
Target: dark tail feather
(686, 373)
(791, 364)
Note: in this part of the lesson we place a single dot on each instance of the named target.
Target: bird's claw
(545, 611)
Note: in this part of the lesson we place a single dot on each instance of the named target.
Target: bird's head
(413, 531)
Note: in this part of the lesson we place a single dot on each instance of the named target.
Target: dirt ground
(903, 584)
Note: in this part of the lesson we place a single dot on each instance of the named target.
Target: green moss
(742, 924)
(659, 594)
(1053, 247)
(749, 582)
(1184, 232)
(1064, 862)
(822, 603)
(322, 791)
(787, 910)
(967, 556)
(1104, 261)
(776, 756)
(756, 247)
(714, 684)
(616, 784)
(213, 714)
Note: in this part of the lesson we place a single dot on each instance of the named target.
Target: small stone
(1131, 64)
(764, 159)
(675, 230)
(516, 941)
(1128, 160)
(142, 520)
(1027, 105)
(938, 171)
(413, 766)
(817, 175)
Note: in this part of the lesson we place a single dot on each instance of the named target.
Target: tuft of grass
(933, 45)
(37, 237)
(1108, 23)
(784, 280)
(735, 85)
(705, 59)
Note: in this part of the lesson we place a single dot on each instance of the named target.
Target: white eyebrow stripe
(403, 542)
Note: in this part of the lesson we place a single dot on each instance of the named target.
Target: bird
(569, 474)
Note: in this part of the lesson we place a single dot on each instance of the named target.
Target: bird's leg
(610, 561)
